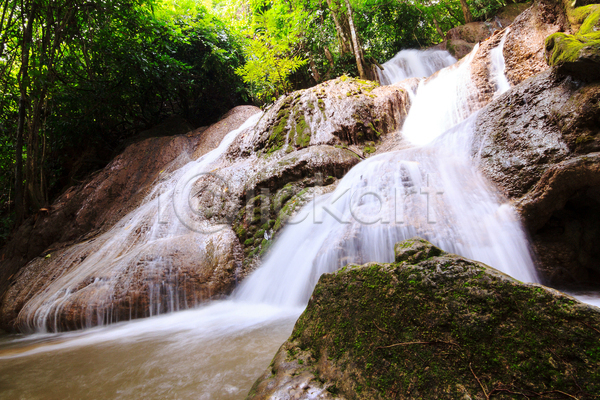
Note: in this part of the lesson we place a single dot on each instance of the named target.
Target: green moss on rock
(578, 54)
(437, 326)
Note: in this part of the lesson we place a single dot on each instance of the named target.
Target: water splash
(414, 64)
(440, 103)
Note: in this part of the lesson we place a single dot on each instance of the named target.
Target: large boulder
(435, 325)
(578, 54)
(530, 140)
(86, 211)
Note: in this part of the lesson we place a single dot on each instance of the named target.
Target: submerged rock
(436, 326)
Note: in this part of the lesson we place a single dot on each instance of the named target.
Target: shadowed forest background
(80, 80)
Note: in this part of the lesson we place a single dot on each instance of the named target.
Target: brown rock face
(178, 273)
(524, 47)
(539, 143)
(86, 211)
(461, 40)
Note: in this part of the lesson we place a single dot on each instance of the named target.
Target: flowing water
(414, 64)
(140, 238)
(217, 351)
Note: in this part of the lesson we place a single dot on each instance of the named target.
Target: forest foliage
(80, 78)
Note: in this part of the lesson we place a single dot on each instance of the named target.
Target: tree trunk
(20, 204)
(438, 29)
(345, 46)
(466, 12)
(357, 48)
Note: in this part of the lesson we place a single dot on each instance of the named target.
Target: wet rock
(344, 111)
(462, 39)
(212, 136)
(528, 142)
(517, 137)
(578, 54)
(562, 211)
(525, 43)
(435, 327)
(177, 273)
(86, 211)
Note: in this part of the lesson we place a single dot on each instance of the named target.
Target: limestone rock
(462, 39)
(459, 41)
(439, 327)
(525, 43)
(537, 143)
(86, 211)
(344, 111)
(189, 269)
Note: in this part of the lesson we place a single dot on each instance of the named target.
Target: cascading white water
(498, 66)
(433, 191)
(440, 103)
(414, 64)
(132, 242)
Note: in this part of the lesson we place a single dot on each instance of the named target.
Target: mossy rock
(578, 54)
(436, 326)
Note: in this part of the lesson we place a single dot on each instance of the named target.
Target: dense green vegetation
(80, 78)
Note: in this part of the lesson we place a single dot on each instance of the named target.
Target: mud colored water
(216, 352)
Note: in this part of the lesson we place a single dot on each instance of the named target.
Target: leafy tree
(79, 78)
(275, 29)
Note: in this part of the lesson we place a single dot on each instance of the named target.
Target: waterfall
(414, 64)
(132, 252)
(498, 66)
(434, 191)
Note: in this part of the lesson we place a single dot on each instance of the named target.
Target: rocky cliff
(537, 142)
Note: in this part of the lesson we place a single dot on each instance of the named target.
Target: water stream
(217, 351)
(414, 64)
